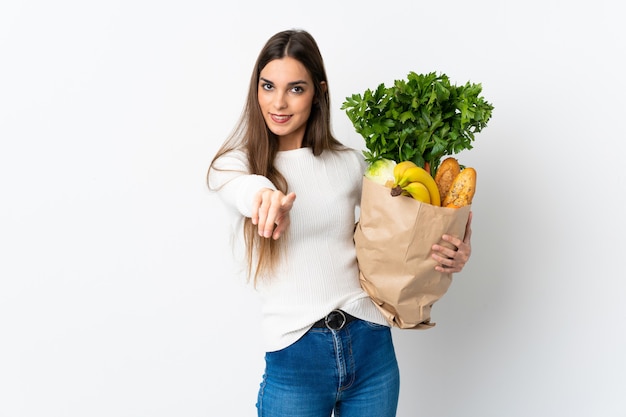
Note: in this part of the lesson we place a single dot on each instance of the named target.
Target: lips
(280, 118)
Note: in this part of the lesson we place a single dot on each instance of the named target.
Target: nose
(280, 100)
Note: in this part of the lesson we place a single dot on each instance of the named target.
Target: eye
(267, 86)
(297, 89)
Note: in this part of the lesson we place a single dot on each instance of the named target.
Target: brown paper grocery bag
(393, 242)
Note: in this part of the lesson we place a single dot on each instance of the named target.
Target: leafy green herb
(420, 119)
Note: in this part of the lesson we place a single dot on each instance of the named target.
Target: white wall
(118, 296)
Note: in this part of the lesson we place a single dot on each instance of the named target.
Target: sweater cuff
(251, 184)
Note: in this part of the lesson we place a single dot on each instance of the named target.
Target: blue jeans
(352, 371)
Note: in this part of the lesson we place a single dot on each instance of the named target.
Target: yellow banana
(419, 174)
(400, 167)
(418, 191)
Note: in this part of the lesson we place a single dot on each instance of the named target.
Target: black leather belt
(335, 320)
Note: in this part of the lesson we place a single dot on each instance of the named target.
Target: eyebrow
(291, 84)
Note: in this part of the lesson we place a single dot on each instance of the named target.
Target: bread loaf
(462, 189)
(445, 175)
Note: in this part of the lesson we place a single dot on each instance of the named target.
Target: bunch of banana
(456, 186)
(413, 180)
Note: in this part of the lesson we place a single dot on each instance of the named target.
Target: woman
(295, 188)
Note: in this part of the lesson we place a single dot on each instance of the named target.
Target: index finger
(287, 201)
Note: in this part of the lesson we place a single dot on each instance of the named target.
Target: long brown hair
(260, 145)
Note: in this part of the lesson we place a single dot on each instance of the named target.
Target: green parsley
(420, 119)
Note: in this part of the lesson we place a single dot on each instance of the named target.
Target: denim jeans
(352, 372)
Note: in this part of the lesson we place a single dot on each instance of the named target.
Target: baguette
(445, 175)
(462, 190)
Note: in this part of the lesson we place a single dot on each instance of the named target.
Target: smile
(280, 118)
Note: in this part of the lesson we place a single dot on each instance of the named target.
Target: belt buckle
(332, 316)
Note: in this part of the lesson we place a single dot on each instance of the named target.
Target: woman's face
(286, 93)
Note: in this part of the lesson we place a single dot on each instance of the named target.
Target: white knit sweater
(319, 272)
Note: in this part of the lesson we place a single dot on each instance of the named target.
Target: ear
(323, 92)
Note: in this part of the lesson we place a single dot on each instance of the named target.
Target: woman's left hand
(453, 260)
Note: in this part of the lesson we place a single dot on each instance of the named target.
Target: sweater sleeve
(230, 179)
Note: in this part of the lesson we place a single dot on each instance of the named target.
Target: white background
(118, 294)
